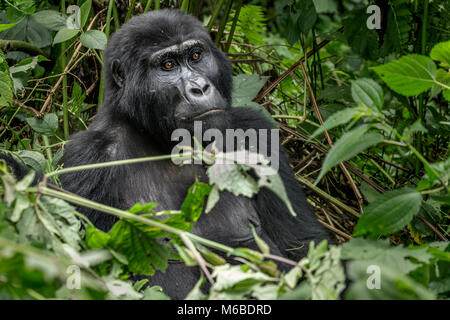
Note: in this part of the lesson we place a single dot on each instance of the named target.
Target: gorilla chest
(166, 184)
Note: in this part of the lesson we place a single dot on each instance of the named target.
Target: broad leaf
(46, 126)
(94, 39)
(51, 19)
(231, 172)
(410, 75)
(28, 30)
(336, 119)
(308, 15)
(245, 89)
(368, 92)
(85, 9)
(441, 52)
(349, 145)
(6, 93)
(143, 252)
(193, 204)
(32, 159)
(65, 34)
(389, 212)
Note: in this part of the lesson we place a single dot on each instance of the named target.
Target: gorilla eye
(195, 56)
(168, 64)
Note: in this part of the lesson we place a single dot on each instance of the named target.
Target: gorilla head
(163, 72)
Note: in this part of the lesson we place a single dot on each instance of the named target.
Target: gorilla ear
(117, 72)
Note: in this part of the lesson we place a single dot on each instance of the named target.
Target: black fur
(136, 120)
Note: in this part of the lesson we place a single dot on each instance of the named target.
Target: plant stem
(48, 149)
(62, 61)
(223, 22)
(113, 163)
(147, 6)
(126, 215)
(130, 10)
(215, 14)
(327, 196)
(115, 16)
(421, 110)
(108, 18)
(185, 5)
(233, 26)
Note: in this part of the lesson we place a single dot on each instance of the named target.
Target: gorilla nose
(197, 91)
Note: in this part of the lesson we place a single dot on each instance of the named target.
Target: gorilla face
(167, 75)
(185, 71)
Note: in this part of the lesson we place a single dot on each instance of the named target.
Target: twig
(429, 225)
(17, 45)
(291, 69)
(358, 195)
(21, 105)
(55, 87)
(197, 257)
(339, 232)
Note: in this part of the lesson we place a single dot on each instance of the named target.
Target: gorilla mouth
(207, 113)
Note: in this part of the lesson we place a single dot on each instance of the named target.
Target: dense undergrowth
(363, 113)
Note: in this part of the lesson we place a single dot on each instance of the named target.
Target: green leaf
(394, 285)
(142, 251)
(210, 256)
(51, 19)
(410, 75)
(308, 15)
(213, 198)
(6, 93)
(444, 199)
(381, 253)
(443, 78)
(32, 159)
(85, 9)
(441, 52)
(337, 119)
(369, 192)
(245, 88)
(368, 92)
(46, 126)
(193, 204)
(231, 172)
(262, 245)
(143, 208)
(65, 34)
(28, 30)
(94, 39)
(56, 224)
(349, 145)
(95, 238)
(390, 212)
(154, 293)
(6, 84)
(7, 26)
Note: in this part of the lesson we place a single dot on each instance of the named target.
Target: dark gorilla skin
(144, 101)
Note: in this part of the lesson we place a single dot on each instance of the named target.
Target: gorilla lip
(211, 111)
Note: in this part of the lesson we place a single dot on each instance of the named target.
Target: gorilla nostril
(206, 88)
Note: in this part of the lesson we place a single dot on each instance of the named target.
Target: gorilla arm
(284, 229)
(100, 185)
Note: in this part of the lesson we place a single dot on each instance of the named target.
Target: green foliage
(94, 39)
(389, 213)
(349, 145)
(383, 95)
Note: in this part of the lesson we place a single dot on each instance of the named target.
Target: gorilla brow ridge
(175, 49)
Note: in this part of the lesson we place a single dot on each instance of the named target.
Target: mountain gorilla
(163, 72)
